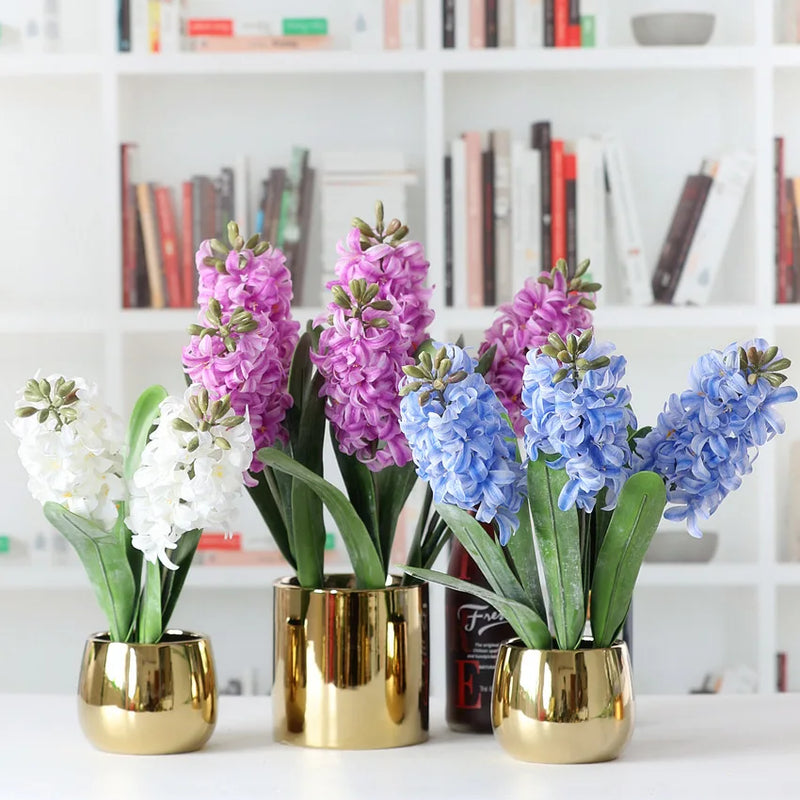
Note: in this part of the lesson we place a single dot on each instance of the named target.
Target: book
(142, 283)
(558, 226)
(154, 26)
(625, 224)
(458, 155)
(526, 216)
(233, 44)
(448, 230)
(549, 23)
(301, 253)
(477, 24)
(277, 180)
(289, 236)
(216, 540)
(591, 207)
(188, 268)
(490, 7)
(574, 23)
(529, 23)
(169, 23)
(474, 254)
(304, 26)
(571, 210)
(140, 26)
(540, 140)
(226, 202)
(487, 175)
(721, 209)
(152, 247)
(462, 27)
(791, 245)
(594, 23)
(448, 23)
(124, 26)
(505, 23)
(241, 196)
(408, 11)
(796, 237)
(780, 213)
(128, 207)
(168, 229)
(500, 143)
(391, 24)
(679, 236)
(561, 22)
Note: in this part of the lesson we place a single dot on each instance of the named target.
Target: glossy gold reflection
(148, 699)
(563, 706)
(351, 665)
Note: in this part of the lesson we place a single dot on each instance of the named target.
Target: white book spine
(241, 196)
(625, 223)
(462, 24)
(458, 178)
(505, 23)
(526, 213)
(599, 10)
(409, 24)
(140, 31)
(366, 24)
(714, 229)
(591, 207)
(528, 23)
(170, 26)
(501, 148)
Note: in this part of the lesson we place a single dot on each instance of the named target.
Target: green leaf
(558, 539)
(363, 555)
(486, 360)
(393, 485)
(103, 557)
(150, 628)
(436, 537)
(299, 376)
(633, 523)
(484, 551)
(527, 624)
(172, 580)
(267, 506)
(414, 557)
(522, 552)
(360, 486)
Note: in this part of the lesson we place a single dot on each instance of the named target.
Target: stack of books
(512, 209)
(524, 23)
(787, 231)
(701, 226)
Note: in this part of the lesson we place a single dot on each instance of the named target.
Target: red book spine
(558, 193)
(219, 541)
(474, 220)
(209, 27)
(169, 245)
(561, 18)
(780, 213)
(574, 24)
(187, 252)
(788, 242)
(128, 231)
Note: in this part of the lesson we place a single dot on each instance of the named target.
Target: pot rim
(586, 646)
(170, 637)
(290, 584)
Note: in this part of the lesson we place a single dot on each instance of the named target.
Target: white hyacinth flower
(187, 478)
(73, 456)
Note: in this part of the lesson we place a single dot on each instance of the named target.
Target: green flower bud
(182, 425)
(252, 241)
(25, 411)
(222, 443)
(193, 444)
(260, 248)
(218, 247)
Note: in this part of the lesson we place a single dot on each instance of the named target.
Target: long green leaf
(360, 487)
(414, 557)
(267, 506)
(299, 376)
(393, 486)
(633, 523)
(522, 552)
(558, 539)
(484, 551)
(172, 580)
(141, 421)
(103, 557)
(150, 627)
(363, 556)
(527, 624)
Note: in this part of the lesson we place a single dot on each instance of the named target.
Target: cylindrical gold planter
(148, 699)
(563, 706)
(351, 665)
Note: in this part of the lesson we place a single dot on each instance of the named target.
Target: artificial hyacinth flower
(71, 447)
(244, 342)
(461, 440)
(377, 320)
(707, 438)
(552, 303)
(578, 411)
(361, 356)
(191, 472)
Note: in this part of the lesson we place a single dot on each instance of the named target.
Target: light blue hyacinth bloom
(463, 445)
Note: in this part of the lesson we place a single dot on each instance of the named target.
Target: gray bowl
(679, 547)
(673, 28)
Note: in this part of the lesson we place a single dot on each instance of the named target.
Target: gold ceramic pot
(148, 699)
(351, 665)
(563, 706)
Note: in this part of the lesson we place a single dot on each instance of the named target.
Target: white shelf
(50, 64)
(700, 575)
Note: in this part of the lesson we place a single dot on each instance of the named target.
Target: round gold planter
(351, 665)
(148, 699)
(563, 706)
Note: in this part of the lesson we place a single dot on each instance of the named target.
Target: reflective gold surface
(351, 665)
(148, 699)
(563, 706)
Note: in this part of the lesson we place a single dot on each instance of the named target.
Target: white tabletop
(709, 747)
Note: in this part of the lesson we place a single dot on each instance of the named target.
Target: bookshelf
(671, 106)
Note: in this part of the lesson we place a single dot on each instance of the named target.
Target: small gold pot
(351, 665)
(563, 706)
(148, 699)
